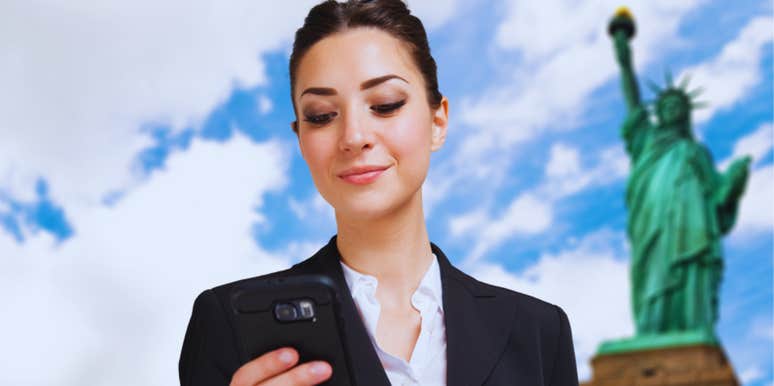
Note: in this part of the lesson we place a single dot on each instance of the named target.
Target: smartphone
(300, 311)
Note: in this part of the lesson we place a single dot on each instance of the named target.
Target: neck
(394, 248)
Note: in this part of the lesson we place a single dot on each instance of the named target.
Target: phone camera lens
(285, 312)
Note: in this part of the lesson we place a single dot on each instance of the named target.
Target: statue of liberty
(679, 206)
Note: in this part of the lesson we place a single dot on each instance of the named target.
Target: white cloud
(446, 174)
(525, 215)
(298, 208)
(532, 211)
(756, 144)
(313, 208)
(566, 175)
(80, 79)
(564, 161)
(756, 211)
(265, 104)
(433, 13)
(590, 282)
(435, 188)
(110, 306)
(467, 222)
(751, 374)
(729, 76)
(563, 63)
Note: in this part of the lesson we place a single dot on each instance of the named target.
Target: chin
(365, 209)
(369, 206)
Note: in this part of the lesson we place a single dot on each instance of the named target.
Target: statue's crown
(679, 90)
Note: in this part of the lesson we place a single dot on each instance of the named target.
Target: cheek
(409, 141)
(317, 152)
(410, 135)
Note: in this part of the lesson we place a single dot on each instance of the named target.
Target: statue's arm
(731, 186)
(636, 123)
(623, 56)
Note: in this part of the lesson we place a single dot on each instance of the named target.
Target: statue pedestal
(692, 365)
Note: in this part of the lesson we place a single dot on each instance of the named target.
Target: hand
(739, 168)
(737, 175)
(741, 165)
(276, 368)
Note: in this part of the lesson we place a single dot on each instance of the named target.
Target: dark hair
(391, 16)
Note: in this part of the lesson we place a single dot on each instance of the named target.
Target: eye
(388, 108)
(319, 119)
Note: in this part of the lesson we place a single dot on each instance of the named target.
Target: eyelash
(381, 109)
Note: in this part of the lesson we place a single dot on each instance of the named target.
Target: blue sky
(143, 150)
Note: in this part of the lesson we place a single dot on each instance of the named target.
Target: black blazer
(494, 336)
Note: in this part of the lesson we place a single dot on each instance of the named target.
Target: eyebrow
(363, 86)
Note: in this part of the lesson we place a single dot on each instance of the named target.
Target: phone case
(300, 311)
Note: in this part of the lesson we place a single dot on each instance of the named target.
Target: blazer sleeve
(209, 355)
(565, 371)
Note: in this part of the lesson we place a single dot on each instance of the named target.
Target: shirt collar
(430, 285)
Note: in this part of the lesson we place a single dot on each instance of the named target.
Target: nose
(355, 135)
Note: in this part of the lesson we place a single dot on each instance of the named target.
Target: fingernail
(286, 356)
(318, 368)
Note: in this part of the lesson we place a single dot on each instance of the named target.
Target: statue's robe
(675, 226)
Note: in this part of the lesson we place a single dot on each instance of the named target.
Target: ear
(440, 123)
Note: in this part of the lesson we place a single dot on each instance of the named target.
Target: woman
(369, 114)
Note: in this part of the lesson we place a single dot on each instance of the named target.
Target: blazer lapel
(365, 365)
(478, 324)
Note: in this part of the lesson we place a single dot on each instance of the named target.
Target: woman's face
(362, 103)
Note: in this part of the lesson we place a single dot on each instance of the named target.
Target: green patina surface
(657, 341)
(679, 207)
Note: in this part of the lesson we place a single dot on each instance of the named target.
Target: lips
(362, 175)
(361, 170)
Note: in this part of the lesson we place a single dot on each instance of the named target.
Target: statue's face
(672, 109)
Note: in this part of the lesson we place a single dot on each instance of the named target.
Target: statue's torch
(622, 24)
(621, 29)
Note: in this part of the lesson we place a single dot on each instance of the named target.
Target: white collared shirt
(427, 365)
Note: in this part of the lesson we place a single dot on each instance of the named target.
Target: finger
(309, 373)
(265, 367)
